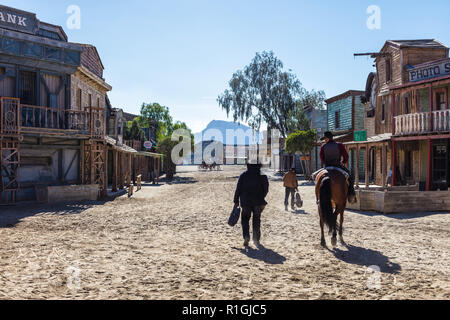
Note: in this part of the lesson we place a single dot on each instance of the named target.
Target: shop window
(27, 87)
(441, 102)
(407, 106)
(388, 70)
(337, 119)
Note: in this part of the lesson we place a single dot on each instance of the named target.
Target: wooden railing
(50, 118)
(419, 123)
(16, 118)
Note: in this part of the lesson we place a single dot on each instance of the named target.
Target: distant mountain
(219, 128)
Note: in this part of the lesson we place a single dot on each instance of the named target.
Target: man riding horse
(334, 187)
(334, 154)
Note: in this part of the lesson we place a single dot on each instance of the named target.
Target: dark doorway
(448, 163)
(373, 164)
(440, 165)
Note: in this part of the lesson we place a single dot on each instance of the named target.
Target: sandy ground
(172, 242)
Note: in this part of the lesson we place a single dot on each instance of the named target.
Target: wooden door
(440, 165)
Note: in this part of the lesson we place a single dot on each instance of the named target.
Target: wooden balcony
(422, 123)
(17, 119)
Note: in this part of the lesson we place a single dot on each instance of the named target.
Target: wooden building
(408, 127)
(54, 113)
(345, 118)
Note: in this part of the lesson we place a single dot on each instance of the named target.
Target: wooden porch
(422, 123)
(18, 119)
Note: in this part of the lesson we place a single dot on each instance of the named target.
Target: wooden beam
(356, 166)
(105, 182)
(393, 113)
(419, 138)
(384, 170)
(429, 166)
(367, 175)
(394, 163)
(430, 103)
(115, 171)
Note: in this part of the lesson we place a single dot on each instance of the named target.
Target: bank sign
(430, 71)
(17, 20)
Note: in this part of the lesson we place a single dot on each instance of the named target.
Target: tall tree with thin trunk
(263, 92)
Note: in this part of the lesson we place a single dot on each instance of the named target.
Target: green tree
(155, 115)
(165, 147)
(297, 119)
(303, 142)
(263, 92)
(181, 125)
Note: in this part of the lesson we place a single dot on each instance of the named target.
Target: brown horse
(332, 194)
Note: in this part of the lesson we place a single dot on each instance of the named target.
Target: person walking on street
(291, 184)
(251, 192)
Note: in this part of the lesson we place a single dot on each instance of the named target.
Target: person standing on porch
(291, 185)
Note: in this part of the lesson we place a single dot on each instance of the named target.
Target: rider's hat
(328, 135)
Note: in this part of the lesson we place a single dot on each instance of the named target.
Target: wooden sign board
(430, 71)
(18, 20)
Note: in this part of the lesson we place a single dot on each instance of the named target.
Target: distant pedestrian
(251, 192)
(291, 184)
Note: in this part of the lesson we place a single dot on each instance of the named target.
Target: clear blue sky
(183, 53)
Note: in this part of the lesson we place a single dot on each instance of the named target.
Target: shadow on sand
(366, 257)
(263, 254)
(399, 216)
(299, 212)
(179, 180)
(13, 215)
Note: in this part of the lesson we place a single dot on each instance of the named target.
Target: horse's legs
(323, 243)
(341, 228)
(334, 238)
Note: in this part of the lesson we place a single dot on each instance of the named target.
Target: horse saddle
(318, 175)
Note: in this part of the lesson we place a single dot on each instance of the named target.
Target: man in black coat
(251, 192)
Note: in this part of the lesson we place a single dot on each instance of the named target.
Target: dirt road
(172, 242)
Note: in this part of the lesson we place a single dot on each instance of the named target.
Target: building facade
(54, 113)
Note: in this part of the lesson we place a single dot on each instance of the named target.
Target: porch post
(105, 183)
(121, 171)
(384, 158)
(367, 175)
(356, 166)
(393, 113)
(115, 171)
(157, 170)
(430, 102)
(130, 173)
(429, 166)
(394, 163)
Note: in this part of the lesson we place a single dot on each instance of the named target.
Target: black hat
(328, 135)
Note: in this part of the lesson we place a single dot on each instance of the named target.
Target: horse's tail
(325, 203)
